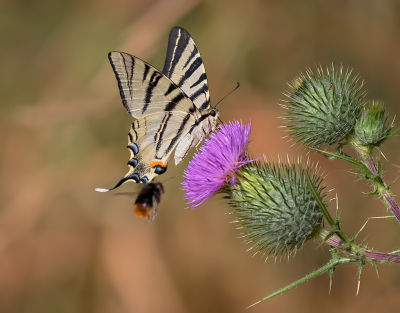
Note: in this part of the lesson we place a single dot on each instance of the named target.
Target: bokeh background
(66, 248)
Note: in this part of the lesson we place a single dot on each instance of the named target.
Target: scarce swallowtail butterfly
(172, 108)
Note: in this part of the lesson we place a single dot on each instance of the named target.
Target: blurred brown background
(66, 248)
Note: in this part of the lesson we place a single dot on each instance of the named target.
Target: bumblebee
(148, 199)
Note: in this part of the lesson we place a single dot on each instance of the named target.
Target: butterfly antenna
(129, 193)
(169, 178)
(238, 85)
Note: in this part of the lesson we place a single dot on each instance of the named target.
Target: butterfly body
(172, 108)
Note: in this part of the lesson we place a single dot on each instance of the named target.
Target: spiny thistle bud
(275, 206)
(373, 127)
(323, 108)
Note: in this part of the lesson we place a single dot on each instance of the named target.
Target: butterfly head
(214, 113)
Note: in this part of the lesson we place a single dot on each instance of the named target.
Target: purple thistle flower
(215, 165)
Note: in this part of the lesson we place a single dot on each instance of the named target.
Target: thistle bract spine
(373, 126)
(275, 206)
(323, 108)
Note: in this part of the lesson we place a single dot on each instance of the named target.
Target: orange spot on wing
(155, 163)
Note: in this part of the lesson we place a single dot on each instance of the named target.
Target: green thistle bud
(323, 108)
(275, 206)
(373, 127)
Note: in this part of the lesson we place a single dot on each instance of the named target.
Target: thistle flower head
(216, 164)
(275, 205)
(323, 108)
(373, 127)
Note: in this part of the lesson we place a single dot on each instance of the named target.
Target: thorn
(254, 304)
(371, 218)
(358, 287)
(376, 268)
(330, 286)
(383, 155)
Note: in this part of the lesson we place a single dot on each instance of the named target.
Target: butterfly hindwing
(184, 66)
(196, 134)
(151, 141)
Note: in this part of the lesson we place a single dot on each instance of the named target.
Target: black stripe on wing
(154, 79)
(193, 67)
(199, 92)
(194, 52)
(178, 134)
(177, 42)
(146, 71)
(129, 83)
(174, 102)
(202, 78)
(171, 88)
(161, 131)
(184, 66)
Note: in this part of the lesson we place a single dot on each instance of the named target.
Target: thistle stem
(382, 257)
(335, 241)
(356, 252)
(380, 185)
(370, 164)
(355, 255)
(384, 191)
(393, 205)
(323, 269)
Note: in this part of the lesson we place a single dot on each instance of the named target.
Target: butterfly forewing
(145, 90)
(184, 66)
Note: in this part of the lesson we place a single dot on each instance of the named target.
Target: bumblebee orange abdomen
(142, 210)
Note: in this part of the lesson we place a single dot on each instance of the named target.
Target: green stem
(320, 203)
(356, 252)
(326, 214)
(330, 265)
(380, 186)
(382, 189)
(321, 233)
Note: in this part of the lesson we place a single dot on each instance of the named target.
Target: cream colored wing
(196, 134)
(184, 66)
(151, 141)
(144, 90)
(165, 113)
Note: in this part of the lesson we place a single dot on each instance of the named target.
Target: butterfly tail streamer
(122, 181)
(102, 189)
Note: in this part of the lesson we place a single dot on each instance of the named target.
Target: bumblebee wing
(153, 214)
